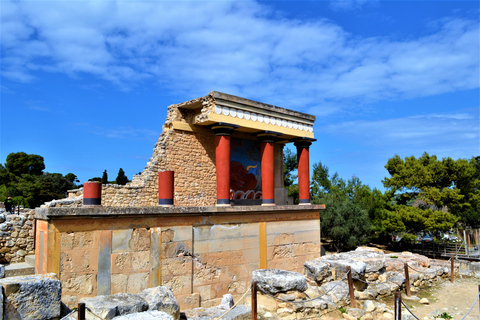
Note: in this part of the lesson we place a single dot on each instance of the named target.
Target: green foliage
(454, 184)
(104, 177)
(21, 163)
(121, 177)
(95, 179)
(289, 166)
(23, 179)
(345, 221)
(444, 316)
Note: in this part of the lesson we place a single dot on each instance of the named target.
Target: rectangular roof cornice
(268, 107)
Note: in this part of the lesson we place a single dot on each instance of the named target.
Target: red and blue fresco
(245, 171)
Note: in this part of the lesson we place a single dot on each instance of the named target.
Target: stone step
(30, 260)
(19, 269)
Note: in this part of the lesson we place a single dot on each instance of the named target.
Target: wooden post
(407, 280)
(254, 300)
(350, 287)
(81, 311)
(451, 268)
(398, 305)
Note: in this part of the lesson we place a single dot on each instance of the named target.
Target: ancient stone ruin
(228, 214)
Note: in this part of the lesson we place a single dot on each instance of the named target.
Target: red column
(303, 171)
(165, 188)
(92, 193)
(222, 161)
(267, 167)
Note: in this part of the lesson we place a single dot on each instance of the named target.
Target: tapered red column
(267, 167)
(303, 171)
(222, 162)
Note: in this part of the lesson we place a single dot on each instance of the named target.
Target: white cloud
(350, 5)
(197, 47)
(455, 135)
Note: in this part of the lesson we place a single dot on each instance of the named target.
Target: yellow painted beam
(262, 235)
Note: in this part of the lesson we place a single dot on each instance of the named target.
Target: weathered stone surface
(147, 315)
(316, 269)
(274, 281)
(340, 262)
(355, 312)
(369, 306)
(238, 313)
(32, 297)
(111, 306)
(227, 302)
(2, 271)
(337, 290)
(161, 299)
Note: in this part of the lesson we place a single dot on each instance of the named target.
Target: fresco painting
(245, 171)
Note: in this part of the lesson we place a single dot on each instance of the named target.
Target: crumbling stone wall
(190, 154)
(16, 236)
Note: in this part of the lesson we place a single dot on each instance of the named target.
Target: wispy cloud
(234, 47)
(443, 134)
(350, 5)
(127, 133)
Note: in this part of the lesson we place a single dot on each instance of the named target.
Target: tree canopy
(23, 179)
(121, 177)
(447, 184)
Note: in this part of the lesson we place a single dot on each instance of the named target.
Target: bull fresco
(245, 170)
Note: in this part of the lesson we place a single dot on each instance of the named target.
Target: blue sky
(86, 84)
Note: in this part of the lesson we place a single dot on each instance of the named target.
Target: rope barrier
(471, 307)
(243, 296)
(309, 300)
(410, 311)
(88, 309)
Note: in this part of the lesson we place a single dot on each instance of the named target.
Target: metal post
(407, 280)
(254, 300)
(81, 311)
(398, 305)
(451, 268)
(350, 287)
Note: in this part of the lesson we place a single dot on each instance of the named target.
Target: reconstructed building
(230, 214)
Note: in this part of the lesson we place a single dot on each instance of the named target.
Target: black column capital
(223, 129)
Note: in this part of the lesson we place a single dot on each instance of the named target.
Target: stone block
(141, 239)
(121, 262)
(121, 240)
(32, 297)
(137, 282)
(118, 283)
(111, 306)
(147, 315)
(161, 299)
(79, 283)
(274, 281)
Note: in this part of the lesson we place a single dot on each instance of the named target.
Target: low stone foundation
(202, 253)
(16, 236)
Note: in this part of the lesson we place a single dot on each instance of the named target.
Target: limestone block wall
(16, 236)
(200, 256)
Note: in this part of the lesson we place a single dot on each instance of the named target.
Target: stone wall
(202, 253)
(16, 236)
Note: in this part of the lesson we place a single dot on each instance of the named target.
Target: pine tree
(105, 177)
(121, 177)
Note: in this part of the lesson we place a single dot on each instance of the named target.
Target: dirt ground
(455, 299)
